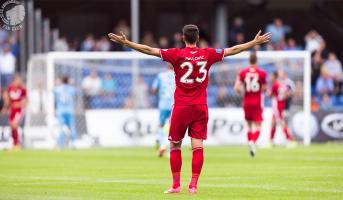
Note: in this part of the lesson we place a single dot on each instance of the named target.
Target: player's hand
(120, 39)
(260, 39)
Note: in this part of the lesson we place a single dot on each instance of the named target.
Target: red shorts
(253, 113)
(16, 115)
(191, 117)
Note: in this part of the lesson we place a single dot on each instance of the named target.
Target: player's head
(190, 34)
(281, 74)
(253, 58)
(273, 76)
(65, 79)
(17, 80)
(170, 66)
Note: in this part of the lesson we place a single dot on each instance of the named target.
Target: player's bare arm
(237, 86)
(6, 101)
(264, 88)
(122, 40)
(259, 39)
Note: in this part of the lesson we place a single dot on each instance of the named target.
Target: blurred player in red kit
(191, 65)
(254, 83)
(279, 94)
(15, 99)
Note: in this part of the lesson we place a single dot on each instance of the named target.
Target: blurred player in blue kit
(65, 95)
(164, 84)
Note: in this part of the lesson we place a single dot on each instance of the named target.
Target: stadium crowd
(327, 70)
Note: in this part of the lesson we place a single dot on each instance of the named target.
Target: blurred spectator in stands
(163, 42)
(237, 32)
(222, 99)
(122, 27)
(4, 35)
(269, 47)
(203, 43)
(148, 39)
(325, 84)
(278, 30)
(13, 42)
(91, 86)
(338, 87)
(141, 94)
(128, 103)
(324, 52)
(257, 48)
(281, 45)
(103, 44)
(334, 69)
(314, 104)
(333, 66)
(239, 39)
(88, 44)
(61, 44)
(7, 66)
(178, 43)
(108, 85)
(313, 41)
(326, 103)
(292, 45)
(317, 62)
(74, 46)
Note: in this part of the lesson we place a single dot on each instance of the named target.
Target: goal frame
(133, 55)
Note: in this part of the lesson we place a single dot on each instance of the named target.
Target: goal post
(133, 74)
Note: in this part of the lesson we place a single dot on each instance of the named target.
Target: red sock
(256, 135)
(272, 133)
(175, 165)
(15, 136)
(197, 162)
(288, 135)
(250, 136)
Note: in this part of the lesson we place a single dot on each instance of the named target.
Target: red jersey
(253, 79)
(279, 95)
(191, 66)
(16, 95)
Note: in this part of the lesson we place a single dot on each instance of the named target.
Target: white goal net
(117, 108)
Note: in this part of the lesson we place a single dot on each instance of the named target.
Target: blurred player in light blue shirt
(65, 95)
(164, 84)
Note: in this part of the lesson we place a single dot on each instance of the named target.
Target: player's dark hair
(275, 74)
(190, 33)
(253, 58)
(65, 79)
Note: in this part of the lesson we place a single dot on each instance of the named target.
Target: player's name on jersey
(195, 58)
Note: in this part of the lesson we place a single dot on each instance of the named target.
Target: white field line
(83, 180)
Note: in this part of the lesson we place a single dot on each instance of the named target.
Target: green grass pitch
(314, 172)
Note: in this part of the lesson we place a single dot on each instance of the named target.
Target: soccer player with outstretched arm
(191, 65)
(253, 80)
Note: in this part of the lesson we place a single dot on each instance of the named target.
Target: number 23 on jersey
(202, 72)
